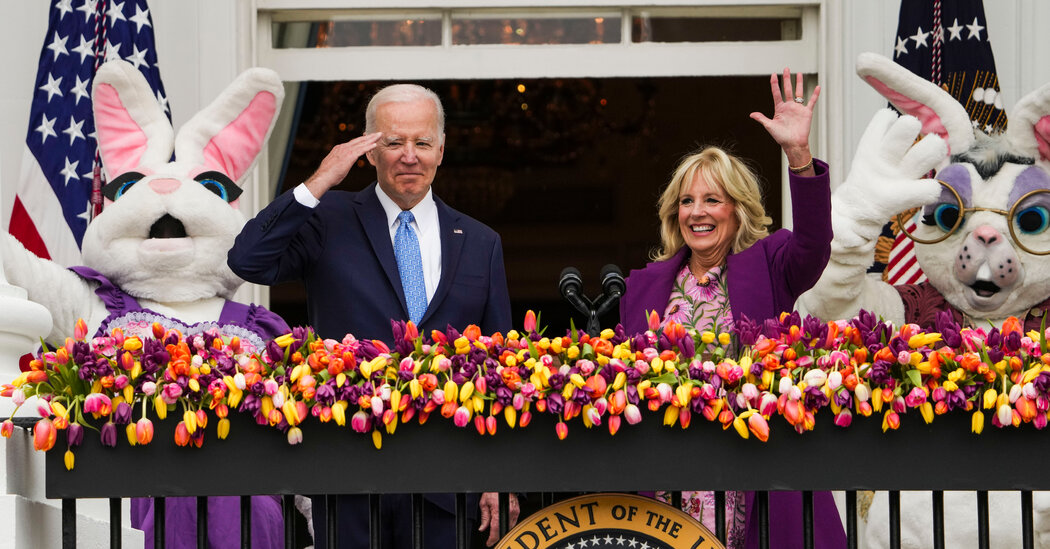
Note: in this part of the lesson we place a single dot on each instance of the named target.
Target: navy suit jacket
(341, 250)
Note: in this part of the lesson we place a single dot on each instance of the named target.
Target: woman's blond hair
(733, 176)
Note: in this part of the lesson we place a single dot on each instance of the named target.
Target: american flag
(59, 188)
(945, 42)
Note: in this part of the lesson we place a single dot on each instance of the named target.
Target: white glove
(885, 178)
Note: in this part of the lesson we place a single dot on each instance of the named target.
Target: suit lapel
(373, 221)
(452, 238)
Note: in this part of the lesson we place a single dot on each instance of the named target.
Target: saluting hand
(337, 164)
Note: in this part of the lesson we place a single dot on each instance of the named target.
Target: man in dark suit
(391, 251)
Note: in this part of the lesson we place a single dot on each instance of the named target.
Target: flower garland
(790, 366)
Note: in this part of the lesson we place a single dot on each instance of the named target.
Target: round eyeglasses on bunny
(1028, 220)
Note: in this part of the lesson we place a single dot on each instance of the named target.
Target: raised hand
(886, 177)
(792, 117)
(337, 164)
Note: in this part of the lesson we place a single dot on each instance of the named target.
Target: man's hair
(403, 93)
(733, 177)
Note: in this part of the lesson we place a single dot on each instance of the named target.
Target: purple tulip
(108, 434)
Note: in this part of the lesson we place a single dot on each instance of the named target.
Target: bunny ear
(1029, 128)
(228, 135)
(911, 94)
(131, 128)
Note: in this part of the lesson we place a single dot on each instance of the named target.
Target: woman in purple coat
(719, 262)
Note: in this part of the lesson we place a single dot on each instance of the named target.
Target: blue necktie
(410, 267)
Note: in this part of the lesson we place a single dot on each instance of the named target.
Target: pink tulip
(632, 414)
(844, 418)
(562, 430)
(462, 416)
(361, 422)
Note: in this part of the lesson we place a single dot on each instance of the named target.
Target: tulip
(740, 426)
(815, 378)
(222, 429)
(461, 416)
(562, 430)
(977, 423)
(1026, 408)
(295, 436)
(758, 426)
(108, 434)
(653, 321)
(530, 322)
(890, 421)
(844, 418)
(80, 332)
(44, 434)
(1004, 414)
(632, 414)
(182, 434)
(96, 403)
(7, 428)
(926, 409)
(144, 431)
(377, 439)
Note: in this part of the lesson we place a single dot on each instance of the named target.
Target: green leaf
(666, 377)
(572, 330)
(915, 377)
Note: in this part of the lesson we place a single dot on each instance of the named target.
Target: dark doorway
(567, 170)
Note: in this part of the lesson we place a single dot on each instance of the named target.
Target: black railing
(438, 457)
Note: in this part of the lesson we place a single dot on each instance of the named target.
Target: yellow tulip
(377, 439)
(741, 427)
(190, 419)
(223, 429)
(466, 391)
(339, 412)
(977, 423)
(511, 415)
(989, 398)
(926, 409)
(160, 407)
(671, 415)
(130, 430)
(68, 458)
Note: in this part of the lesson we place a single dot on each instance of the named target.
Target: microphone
(570, 284)
(613, 284)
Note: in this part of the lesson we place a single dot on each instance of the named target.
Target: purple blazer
(763, 280)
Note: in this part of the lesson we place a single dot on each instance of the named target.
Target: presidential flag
(945, 42)
(59, 189)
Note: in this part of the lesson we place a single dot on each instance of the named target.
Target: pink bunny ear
(229, 134)
(132, 129)
(1029, 128)
(233, 150)
(911, 94)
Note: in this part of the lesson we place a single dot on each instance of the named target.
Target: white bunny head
(983, 268)
(167, 225)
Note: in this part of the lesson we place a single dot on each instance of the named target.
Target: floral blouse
(703, 305)
(700, 304)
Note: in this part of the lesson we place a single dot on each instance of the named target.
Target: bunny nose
(986, 235)
(164, 186)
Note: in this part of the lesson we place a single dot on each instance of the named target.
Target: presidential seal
(601, 521)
